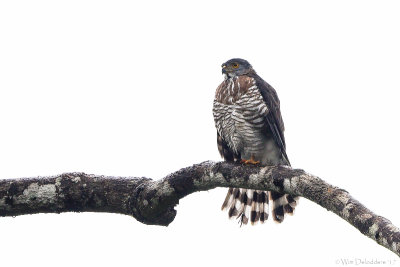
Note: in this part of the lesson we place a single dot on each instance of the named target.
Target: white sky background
(126, 88)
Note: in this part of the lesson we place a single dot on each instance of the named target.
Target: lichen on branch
(153, 202)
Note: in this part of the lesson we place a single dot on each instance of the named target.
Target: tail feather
(247, 199)
(264, 199)
(255, 208)
(293, 201)
(234, 205)
(264, 206)
(253, 205)
(228, 199)
(282, 204)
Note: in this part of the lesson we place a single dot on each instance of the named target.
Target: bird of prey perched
(250, 130)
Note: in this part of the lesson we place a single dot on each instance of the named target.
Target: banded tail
(253, 205)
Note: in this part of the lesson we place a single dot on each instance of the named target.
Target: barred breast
(239, 113)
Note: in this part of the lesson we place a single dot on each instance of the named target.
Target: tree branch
(152, 202)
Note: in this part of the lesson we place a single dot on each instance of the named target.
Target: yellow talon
(250, 161)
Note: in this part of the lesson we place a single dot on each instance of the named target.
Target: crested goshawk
(250, 130)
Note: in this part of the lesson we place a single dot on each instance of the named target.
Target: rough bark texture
(152, 202)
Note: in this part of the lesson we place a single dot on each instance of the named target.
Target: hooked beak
(223, 69)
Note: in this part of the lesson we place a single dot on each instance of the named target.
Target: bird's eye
(235, 65)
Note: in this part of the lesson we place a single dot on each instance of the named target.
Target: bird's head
(236, 67)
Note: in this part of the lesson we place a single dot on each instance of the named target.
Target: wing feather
(225, 151)
(273, 118)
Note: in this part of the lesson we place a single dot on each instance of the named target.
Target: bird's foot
(250, 161)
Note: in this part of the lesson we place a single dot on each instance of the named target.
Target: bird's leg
(251, 161)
